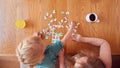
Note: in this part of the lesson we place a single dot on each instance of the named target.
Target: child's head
(31, 50)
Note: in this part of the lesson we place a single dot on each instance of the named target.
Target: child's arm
(61, 59)
(105, 51)
(68, 34)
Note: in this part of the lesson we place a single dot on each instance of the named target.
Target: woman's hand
(76, 37)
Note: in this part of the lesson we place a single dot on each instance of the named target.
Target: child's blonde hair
(30, 50)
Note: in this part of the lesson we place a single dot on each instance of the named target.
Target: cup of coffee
(92, 17)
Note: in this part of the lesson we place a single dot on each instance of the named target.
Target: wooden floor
(32, 11)
(8, 61)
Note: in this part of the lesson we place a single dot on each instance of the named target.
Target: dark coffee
(92, 17)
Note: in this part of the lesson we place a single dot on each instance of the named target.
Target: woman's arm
(105, 50)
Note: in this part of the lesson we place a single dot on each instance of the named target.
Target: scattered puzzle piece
(50, 15)
(55, 19)
(54, 11)
(62, 12)
(46, 37)
(47, 14)
(67, 13)
(45, 18)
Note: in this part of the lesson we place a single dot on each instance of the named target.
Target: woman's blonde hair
(92, 62)
(30, 50)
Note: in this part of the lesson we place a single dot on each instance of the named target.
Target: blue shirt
(51, 54)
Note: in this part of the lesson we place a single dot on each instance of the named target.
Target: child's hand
(37, 34)
(76, 37)
(72, 25)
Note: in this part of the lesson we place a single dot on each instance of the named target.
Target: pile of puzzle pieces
(52, 26)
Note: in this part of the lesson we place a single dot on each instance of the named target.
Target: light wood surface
(9, 61)
(32, 11)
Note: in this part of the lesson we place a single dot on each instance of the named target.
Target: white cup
(92, 17)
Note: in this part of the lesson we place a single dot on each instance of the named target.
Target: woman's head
(79, 62)
(88, 62)
(31, 50)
